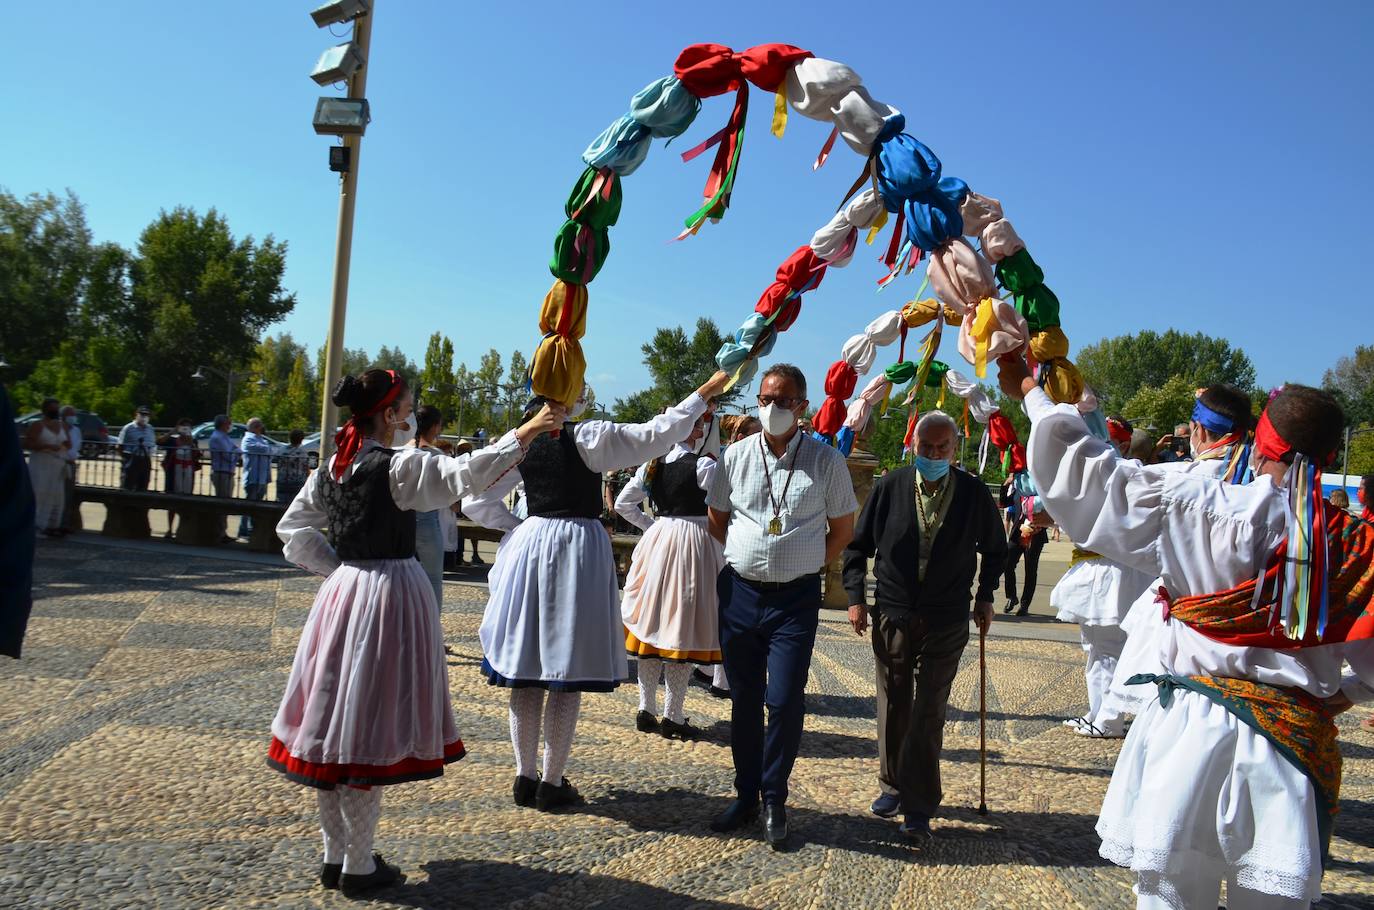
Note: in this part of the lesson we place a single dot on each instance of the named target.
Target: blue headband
(1211, 420)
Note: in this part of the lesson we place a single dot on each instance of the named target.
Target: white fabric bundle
(980, 406)
(837, 240)
(861, 408)
(814, 85)
(959, 276)
(861, 350)
(860, 118)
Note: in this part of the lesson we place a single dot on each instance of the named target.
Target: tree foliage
(1158, 409)
(1352, 381)
(1117, 368)
(677, 365)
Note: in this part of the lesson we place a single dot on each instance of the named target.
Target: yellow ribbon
(984, 324)
(1081, 555)
(780, 111)
(877, 226)
(887, 398)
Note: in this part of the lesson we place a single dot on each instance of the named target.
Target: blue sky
(1186, 165)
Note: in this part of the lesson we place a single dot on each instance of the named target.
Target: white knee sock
(360, 811)
(676, 676)
(560, 723)
(332, 827)
(649, 669)
(525, 707)
(718, 678)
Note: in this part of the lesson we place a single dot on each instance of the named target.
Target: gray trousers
(223, 484)
(916, 667)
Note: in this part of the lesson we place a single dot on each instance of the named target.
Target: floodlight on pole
(338, 11)
(341, 117)
(337, 64)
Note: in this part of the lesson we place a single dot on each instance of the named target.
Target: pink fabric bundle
(991, 329)
(983, 217)
(959, 276)
(861, 409)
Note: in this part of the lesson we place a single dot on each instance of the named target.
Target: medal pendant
(775, 526)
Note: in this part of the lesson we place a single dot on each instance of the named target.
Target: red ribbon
(348, 442)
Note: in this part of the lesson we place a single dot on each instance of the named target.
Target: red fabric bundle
(840, 380)
(1018, 458)
(714, 69)
(803, 270)
(1001, 433)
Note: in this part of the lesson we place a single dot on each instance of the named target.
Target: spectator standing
(481, 437)
(292, 468)
(180, 462)
(1174, 447)
(224, 458)
(257, 470)
(1340, 499)
(46, 440)
(136, 444)
(71, 516)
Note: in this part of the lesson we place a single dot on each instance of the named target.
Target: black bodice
(674, 490)
(558, 484)
(364, 521)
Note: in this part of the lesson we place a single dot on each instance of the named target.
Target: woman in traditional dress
(553, 623)
(669, 604)
(367, 704)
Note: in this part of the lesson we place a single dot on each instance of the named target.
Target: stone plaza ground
(132, 737)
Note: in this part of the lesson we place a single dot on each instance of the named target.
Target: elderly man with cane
(925, 525)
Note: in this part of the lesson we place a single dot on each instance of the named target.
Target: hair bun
(346, 392)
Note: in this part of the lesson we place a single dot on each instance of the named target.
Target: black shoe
(524, 790)
(887, 805)
(775, 826)
(671, 730)
(646, 722)
(738, 814)
(549, 797)
(916, 827)
(384, 875)
(1011, 605)
(718, 692)
(701, 675)
(329, 875)
(1024, 611)
(477, 560)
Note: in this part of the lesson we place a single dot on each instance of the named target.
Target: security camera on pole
(346, 118)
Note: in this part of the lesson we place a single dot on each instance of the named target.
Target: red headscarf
(348, 442)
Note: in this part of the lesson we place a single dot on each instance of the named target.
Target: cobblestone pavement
(131, 773)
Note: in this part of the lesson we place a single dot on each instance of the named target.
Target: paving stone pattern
(133, 731)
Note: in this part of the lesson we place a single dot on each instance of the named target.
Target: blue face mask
(930, 468)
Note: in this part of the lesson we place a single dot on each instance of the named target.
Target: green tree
(487, 395)
(435, 386)
(513, 391)
(1352, 381)
(1162, 407)
(279, 387)
(395, 359)
(464, 402)
(302, 396)
(1117, 368)
(677, 366)
(200, 297)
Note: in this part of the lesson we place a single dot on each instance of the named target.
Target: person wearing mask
(783, 505)
(47, 442)
(257, 470)
(180, 462)
(429, 531)
(71, 512)
(947, 520)
(552, 627)
(366, 704)
(293, 466)
(137, 442)
(1365, 494)
(224, 459)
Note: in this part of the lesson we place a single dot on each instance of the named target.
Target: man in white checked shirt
(783, 504)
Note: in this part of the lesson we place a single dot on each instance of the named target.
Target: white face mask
(184, 431)
(402, 433)
(777, 421)
(578, 409)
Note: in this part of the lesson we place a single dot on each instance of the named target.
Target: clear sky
(1200, 166)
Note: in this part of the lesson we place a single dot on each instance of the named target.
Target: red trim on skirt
(328, 776)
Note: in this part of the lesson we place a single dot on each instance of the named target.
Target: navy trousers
(766, 638)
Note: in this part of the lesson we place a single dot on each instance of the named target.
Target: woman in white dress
(669, 604)
(553, 623)
(367, 704)
(47, 441)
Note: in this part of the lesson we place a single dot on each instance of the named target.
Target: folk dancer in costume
(1215, 447)
(552, 623)
(1233, 772)
(367, 702)
(1096, 593)
(669, 603)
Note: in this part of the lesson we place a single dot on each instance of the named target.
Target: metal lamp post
(230, 377)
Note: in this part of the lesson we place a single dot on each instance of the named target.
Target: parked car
(201, 434)
(95, 435)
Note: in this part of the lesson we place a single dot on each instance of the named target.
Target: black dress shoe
(1024, 611)
(775, 826)
(1011, 605)
(718, 692)
(645, 722)
(549, 797)
(671, 730)
(384, 875)
(329, 875)
(701, 675)
(524, 790)
(917, 828)
(738, 814)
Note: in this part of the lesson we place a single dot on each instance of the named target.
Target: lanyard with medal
(775, 525)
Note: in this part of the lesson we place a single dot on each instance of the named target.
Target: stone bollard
(862, 467)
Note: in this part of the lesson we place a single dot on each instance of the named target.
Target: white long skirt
(1197, 790)
(47, 474)
(670, 606)
(367, 700)
(553, 617)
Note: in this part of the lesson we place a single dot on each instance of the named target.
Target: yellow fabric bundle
(559, 366)
(1050, 344)
(919, 312)
(1063, 383)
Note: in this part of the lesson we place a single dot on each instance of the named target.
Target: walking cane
(982, 725)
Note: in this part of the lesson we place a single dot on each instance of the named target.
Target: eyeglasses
(786, 404)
